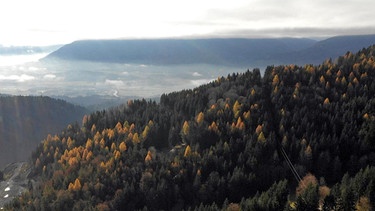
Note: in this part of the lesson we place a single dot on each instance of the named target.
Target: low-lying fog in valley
(26, 75)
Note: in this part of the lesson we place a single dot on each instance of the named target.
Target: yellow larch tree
(76, 186)
(110, 134)
(343, 81)
(246, 115)
(356, 67)
(351, 76)
(131, 128)
(364, 76)
(329, 72)
(240, 125)
(275, 90)
(226, 106)
(122, 147)
(118, 127)
(337, 80)
(93, 128)
(185, 128)
(355, 81)
(84, 155)
(148, 157)
(57, 153)
(339, 73)
(261, 137)
(97, 136)
(117, 154)
(73, 161)
(70, 143)
(113, 147)
(259, 129)
(130, 137)
(135, 138)
(296, 92)
(275, 80)
(85, 120)
(89, 144)
(89, 156)
(322, 80)
(363, 204)
(102, 143)
(213, 107)
(236, 109)
(199, 118)
(252, 93)
(145, 132)
(187, 151)
(213, 127)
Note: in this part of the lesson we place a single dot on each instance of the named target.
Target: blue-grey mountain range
(218, 51)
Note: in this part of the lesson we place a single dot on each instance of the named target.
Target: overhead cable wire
(291, 166)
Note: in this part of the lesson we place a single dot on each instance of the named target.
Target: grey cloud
(17, 78)
(292, 18)
(294, 32)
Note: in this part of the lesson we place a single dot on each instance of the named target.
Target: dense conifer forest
(297, 138)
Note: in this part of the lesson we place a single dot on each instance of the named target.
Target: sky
(49, 22)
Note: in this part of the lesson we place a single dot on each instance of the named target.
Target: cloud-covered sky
(46, 22)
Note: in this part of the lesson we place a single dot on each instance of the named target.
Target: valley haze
(116, 70)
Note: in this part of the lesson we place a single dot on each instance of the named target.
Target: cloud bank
(167, 18)
(17, 78)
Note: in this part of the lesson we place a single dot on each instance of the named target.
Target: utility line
(291, 166)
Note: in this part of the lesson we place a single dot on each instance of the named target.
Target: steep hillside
(298, 138)
(25, 121)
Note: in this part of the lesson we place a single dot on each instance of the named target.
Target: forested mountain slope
(298, 138)
(26, 120)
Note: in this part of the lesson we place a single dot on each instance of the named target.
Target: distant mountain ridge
(231, 51)
(330, 48)
(221, 51)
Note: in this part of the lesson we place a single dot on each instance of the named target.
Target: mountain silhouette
(229, 51)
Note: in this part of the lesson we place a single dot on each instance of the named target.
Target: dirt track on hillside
(15, 181)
